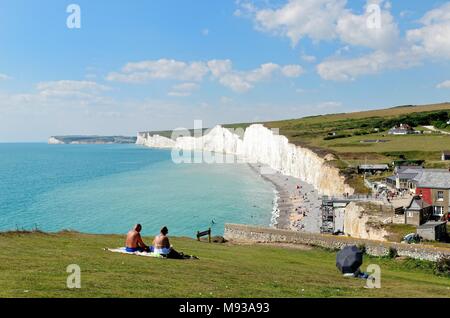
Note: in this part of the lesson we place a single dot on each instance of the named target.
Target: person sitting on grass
(161, 245)
(134, 242)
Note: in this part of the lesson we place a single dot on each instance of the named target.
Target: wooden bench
(204, 233)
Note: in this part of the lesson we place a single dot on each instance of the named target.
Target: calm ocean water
(108, 188)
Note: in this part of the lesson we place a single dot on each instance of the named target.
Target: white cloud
(437, 15)
(220, 67)
(139, 72)
(429, 41)
(444, 84)
(242, 81)
(308, 58)
(4, 77)
(332, 20)
(220, 70)
(325, 20)
(339, 69)
(292, 70)
(235, 82)
(183, 90)
(264, 72)
(433, 37)
(63, 94)
(405, 13)
(299, 18)
(226, 100)
(69, 88)
(57, 95)
(353, 29)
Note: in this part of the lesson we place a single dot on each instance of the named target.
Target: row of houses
(380, 168)
(431, 189)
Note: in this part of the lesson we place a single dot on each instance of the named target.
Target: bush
(336, 137)
(440, 124)
(362, 248)
(360, 133)
(392, 253)
(442, 266)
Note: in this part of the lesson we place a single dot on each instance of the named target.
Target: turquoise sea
(108, 188)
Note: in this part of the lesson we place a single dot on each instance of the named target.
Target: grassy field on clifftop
(34, 265)
(352, 128)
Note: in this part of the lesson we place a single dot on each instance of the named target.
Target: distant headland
(55, 140)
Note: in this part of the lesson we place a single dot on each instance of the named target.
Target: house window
(439, 210)
(410, 214)
(440, 195)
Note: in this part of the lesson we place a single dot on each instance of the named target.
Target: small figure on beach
(134, 242)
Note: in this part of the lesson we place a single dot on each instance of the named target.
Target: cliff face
(141, 138)
(155, 141)
(91, 140)
(260, 144)
(358, 224)
(54, 141)
(218, 139)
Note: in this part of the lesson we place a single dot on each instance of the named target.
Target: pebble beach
(296, 204)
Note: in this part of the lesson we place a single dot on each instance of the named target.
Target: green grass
(424, 143)
(34, 265)
(311, 131)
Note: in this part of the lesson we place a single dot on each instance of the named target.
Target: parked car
(411, 238)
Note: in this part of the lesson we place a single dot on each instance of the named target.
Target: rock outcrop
(361, 225)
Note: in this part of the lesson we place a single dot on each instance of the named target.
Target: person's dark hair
(138, 227)
(164, 230)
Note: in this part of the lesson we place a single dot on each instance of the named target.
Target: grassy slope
(310, 131)
(33, 265)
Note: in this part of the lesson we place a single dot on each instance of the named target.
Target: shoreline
(296, 205)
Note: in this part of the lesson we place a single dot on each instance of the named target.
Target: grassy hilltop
(34, 265)
(351, 128)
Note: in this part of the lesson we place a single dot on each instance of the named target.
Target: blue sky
(149, 65)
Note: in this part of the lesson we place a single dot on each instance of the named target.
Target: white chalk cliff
(54, 141)
(154, 141)
(260, 144)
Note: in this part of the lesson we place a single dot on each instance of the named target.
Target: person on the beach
(161, 245)
(134, 242)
